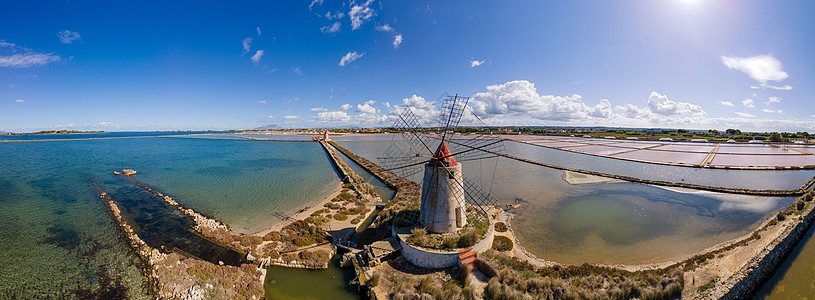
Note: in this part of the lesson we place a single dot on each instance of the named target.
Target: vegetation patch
(709, 285)
(500, 227)
(313, 259)
(501, 243)
(517, 279)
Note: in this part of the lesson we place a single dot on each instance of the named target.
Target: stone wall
(743, 283)
(437, 259)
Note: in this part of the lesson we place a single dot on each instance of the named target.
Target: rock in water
(129, 172)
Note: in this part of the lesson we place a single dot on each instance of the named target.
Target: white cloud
(318, 109)
(315, 2)
(370, 102)
(762, 68)
(748, 103)
(520, 98)
(297, 71)
(397, 40)
(359, 14)
(774, 99)
(350, 57)
(20, 101)
(291, 117)
(292, 100)
(11, 85)
(345, 106)
(367, 109)
(334, 28)
(425, 111)
(28, 60)
(270, 117)
(262, 101)
(333, 116)
(256, 58)
(3, 43)
(785, 87)
(661, 105)
(67, 36)
(475, 63)
(773, 111)
(247, 45)
(385, 28)
(746, 115)
(386, 104)
(258, 29)
(337, 15)
(634, 112)
(726, 103)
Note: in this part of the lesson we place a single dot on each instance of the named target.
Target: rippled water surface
(57, 239)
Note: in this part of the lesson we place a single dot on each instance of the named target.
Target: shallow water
(57, 239)
(609, 223)
(284, 283)
(795, 277)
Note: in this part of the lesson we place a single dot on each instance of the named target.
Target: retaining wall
(744, 282)
(438, 259)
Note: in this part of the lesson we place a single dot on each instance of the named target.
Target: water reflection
(610, 222)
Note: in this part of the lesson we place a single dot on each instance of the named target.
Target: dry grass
(516, 279)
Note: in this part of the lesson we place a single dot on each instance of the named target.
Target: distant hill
(268, 127)
(4, 132)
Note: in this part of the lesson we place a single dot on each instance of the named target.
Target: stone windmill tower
(443, 206)
(448, 200)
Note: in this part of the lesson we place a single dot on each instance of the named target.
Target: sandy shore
(574, 178)
(302, 213)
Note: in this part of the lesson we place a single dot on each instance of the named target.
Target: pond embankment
(172, 276)
(782, 193)
(729, 270)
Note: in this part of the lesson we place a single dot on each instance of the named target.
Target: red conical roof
(443, 154)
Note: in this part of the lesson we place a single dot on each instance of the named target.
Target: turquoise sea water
(57, 239)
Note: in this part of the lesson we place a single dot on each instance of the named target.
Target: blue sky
(703, 64)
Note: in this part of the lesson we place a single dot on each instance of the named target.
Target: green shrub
(341, 217)
(374, 280)
(501, 243)
(468, 239)
(808, 197)
(781, 216)
(355, 221)
(500, 227)
(418, 232)
(272, 236)
(709, 285)
(799, 205)
(449, 242)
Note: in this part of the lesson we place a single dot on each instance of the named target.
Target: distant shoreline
(54, 132)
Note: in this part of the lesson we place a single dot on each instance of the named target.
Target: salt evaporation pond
(57, 239)
(746, 179)
(615, 223)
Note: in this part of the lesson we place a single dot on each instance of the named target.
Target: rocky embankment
(175, 277)
(406, 190)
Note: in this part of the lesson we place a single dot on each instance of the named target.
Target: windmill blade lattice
(411, 153)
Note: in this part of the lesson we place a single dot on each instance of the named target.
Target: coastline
(301, 213)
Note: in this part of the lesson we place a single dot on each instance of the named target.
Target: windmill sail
(448, 200)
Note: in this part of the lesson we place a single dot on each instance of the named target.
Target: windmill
(448, 200)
